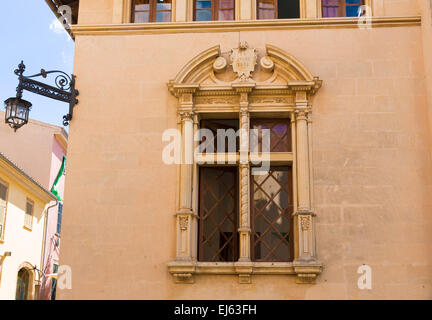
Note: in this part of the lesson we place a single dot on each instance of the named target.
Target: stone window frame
(288, 90)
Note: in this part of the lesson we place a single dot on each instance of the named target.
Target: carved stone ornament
(184, 221)
(186, 115)
(220, 64)
(267, 63)
(305, 223)
(243, 61)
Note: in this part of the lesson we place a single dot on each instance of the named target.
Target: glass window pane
(330, 12)
(226, 15)
(223, 130)
(266, 4)
(352, 11)
(218, 240)
(266, 14)
(203, 15)
(288, 9)
(141, 5)
(330, 2)
(163, 5)
(226, 4)
(203, 4)
(141, 17)
(272, 208)
(163, 16)
(280, 135)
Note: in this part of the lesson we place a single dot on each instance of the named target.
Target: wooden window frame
(26, 215)
(235, 240)
(342, 8)
(214, 10)
(152, 11)
(276, 13)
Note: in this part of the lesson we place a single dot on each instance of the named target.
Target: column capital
(303, 113)
(186, 115)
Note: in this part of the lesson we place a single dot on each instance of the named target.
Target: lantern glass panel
(17, 111)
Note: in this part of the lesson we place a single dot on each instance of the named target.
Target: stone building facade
(348, 100)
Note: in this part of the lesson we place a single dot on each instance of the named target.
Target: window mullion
(342, 8)
(215, 12)
(153, 9)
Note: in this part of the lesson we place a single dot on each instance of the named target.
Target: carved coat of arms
(243, 61)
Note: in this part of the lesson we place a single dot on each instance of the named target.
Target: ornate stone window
(271, 226)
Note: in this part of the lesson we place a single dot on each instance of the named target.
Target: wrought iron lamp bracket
(63, 91)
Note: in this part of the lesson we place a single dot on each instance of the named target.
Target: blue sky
(28, 32)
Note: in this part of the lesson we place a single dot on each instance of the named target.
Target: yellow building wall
(372, 166)
(24, 244)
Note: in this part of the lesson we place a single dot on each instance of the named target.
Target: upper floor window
(28, 219)
(341, 8)
(278, 9)
(3, 196)
(151, 11)
(213, 10)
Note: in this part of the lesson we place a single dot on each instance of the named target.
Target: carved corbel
(183, 272)
(244, 271)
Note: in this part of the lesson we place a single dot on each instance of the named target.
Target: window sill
(184, 271)
(237, 25)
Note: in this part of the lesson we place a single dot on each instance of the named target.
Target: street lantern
(17, 112)
(17, 109)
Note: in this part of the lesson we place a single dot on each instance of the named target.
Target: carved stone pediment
(216, 73)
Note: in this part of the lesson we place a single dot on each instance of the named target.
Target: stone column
(244, 170)
(186, 217)
(244, 264)
(306, 260)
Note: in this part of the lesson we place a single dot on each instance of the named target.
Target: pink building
(42, 149)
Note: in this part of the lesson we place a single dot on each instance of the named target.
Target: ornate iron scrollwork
(64, 89)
